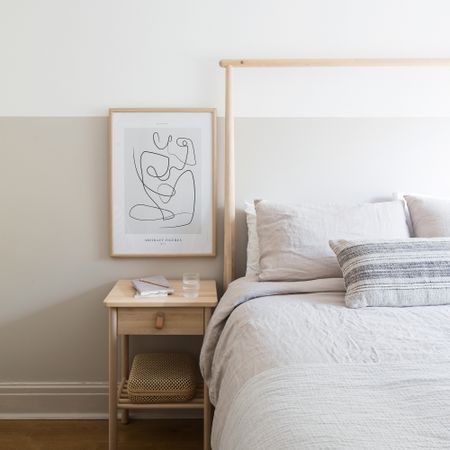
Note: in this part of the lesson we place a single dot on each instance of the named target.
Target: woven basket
(162, 378)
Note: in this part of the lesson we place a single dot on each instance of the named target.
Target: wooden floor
(152, 434)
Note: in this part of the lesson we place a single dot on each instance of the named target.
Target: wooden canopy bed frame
(228, 65)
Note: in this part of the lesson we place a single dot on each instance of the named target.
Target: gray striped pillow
(406, 272)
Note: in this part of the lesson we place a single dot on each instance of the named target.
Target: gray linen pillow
(293, 239)
(430, 216)
(407, 272)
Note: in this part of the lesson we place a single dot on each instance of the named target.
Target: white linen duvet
(290, 367)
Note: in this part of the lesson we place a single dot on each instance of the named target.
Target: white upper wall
(80, 57)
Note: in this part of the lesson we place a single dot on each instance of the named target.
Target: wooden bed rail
(347, 62)
(229, 64)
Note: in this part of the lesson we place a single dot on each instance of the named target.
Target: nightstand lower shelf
(125, 403)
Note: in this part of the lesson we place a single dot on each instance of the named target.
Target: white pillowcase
(430, 216)
(293, 240)
(252, 244)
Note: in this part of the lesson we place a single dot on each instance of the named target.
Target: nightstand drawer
(163, 321)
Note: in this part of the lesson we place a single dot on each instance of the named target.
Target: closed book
(153, 286)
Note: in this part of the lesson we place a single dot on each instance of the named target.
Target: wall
(341, 160)
(78, 58)
(65, 63)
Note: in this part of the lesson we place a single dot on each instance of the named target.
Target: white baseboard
(66, 400)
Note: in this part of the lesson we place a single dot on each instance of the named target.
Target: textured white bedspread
(276, 363)
(349, 406)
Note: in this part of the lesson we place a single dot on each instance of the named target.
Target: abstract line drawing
(167, 177)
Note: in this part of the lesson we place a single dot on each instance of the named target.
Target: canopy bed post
(228, 64)
(230, 210)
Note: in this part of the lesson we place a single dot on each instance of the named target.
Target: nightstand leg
(206, 403)
(125, 364)
(112, 379)
(206, 420)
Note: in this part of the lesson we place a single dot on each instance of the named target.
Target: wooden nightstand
(172, 315)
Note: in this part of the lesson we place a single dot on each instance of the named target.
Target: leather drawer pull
(159, 321)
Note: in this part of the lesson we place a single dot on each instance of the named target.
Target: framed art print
(163, 187)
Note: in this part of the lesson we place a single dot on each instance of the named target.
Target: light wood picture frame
(162, 182)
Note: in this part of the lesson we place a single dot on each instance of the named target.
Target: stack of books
(154, 286)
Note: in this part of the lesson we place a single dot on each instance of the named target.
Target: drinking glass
(191, 285)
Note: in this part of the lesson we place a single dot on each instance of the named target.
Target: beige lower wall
(55, 267)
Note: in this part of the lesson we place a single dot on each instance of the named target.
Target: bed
(289, 365)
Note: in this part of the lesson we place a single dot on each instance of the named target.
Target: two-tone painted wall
(63, 64)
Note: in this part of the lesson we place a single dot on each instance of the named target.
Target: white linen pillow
(293, 240)
(430, 216)
(252, 243)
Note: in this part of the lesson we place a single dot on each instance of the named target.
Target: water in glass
(191, 285)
